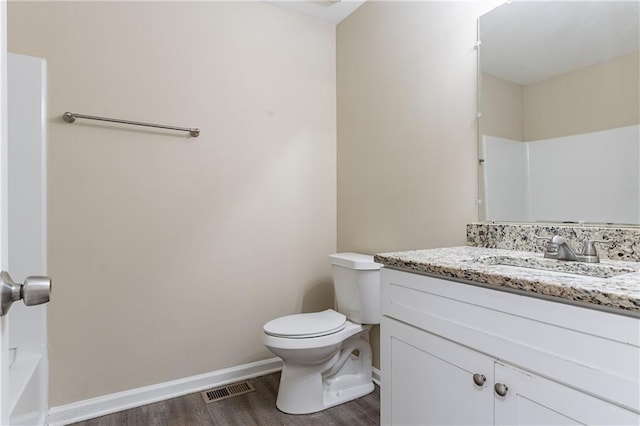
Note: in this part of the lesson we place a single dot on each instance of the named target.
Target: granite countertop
(612, 285)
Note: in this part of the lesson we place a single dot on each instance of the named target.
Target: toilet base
(340, 397)
(343, 378)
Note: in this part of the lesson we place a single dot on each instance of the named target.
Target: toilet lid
(314, 324)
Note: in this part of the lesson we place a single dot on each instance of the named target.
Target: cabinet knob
(479, 379)
(500, 389)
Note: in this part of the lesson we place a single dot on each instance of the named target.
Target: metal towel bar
(70, 117)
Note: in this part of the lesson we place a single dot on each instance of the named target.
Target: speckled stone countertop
(610, 285)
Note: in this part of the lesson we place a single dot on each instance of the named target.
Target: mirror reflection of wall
(560, 104)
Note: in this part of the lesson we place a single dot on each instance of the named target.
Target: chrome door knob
(501, 389)
(479, 379)
(34, 291)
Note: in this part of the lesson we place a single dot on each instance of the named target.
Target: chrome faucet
(559, 249)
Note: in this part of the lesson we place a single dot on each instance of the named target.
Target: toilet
(326, 355)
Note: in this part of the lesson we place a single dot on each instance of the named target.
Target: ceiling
(332, 12)
(529, 41)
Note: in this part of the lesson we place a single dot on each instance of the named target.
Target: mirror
(559, 103)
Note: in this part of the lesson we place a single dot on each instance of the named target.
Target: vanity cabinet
(448, 350)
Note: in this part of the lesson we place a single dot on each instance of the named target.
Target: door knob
(34, 291)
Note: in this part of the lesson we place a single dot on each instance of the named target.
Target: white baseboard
(107, 404)
(376, 375)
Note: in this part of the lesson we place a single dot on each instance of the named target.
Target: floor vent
(224, 392)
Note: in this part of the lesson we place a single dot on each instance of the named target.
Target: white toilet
(320, 367)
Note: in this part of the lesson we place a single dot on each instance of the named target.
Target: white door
(528, 399)
(432, 381)
(23, 338)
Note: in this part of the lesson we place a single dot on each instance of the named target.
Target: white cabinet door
(430, 381)
(533, 400)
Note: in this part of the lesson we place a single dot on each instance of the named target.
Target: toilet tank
(356, 280)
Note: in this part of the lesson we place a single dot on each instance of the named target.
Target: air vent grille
(228, 391)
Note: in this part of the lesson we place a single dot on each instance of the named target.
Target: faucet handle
(555, 239)
(589, 248)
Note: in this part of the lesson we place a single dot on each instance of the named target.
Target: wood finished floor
(255, 408)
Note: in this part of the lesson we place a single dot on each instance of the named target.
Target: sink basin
(596, 270)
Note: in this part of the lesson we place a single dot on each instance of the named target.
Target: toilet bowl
(326, 355)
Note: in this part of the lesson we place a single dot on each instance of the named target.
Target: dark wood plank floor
(255, 408)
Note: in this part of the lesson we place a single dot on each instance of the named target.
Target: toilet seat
(305, 326)
(336, 338)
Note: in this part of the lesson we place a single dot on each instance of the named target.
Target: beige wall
(598, 97)
(169, 253)
(501, 105)
(407, 152)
